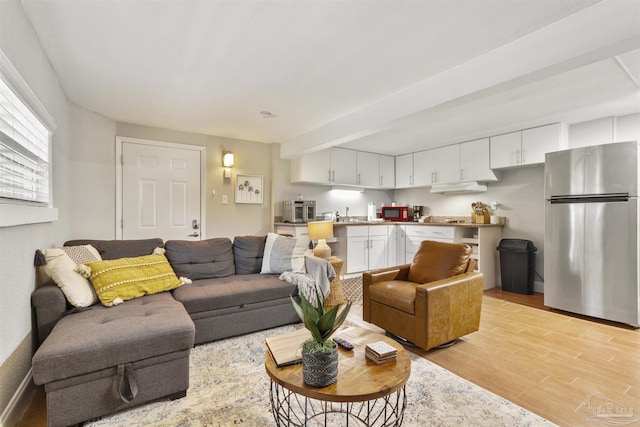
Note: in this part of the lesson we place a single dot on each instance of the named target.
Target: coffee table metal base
(291, 409)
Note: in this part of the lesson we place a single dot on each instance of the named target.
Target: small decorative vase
(320, 369)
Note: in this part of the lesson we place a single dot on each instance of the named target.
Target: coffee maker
(417, 213)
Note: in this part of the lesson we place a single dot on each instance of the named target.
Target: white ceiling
(389, 76)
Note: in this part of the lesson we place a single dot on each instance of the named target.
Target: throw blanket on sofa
(319, 273)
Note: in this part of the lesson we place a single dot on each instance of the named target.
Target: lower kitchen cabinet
(415, 234)
(362, 247)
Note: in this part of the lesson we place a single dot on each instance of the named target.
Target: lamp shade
(320, 230)
(227, 159)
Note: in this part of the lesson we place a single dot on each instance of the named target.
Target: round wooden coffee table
(364, 394)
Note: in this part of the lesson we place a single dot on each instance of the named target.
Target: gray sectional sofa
(97, 360)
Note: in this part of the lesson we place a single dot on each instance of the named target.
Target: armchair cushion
(395, 293)
(438, 260)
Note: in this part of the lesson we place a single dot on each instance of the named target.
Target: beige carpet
(229, 387)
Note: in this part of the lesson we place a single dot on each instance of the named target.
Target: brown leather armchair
(430, 302)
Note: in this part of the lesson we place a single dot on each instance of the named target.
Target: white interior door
(161, 191)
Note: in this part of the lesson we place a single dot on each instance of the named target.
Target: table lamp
(321, 231)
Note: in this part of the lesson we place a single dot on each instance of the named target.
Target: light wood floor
(547, 362)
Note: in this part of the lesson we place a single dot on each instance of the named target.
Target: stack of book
(380, 352)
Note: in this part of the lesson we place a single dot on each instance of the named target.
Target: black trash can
(517, 265)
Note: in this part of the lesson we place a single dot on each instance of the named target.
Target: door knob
(194, 234)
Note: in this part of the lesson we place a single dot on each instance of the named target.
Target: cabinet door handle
(410, 179)
(329, 175)
(522, 157)
(333, 177)
(358, 180)
(461, 174)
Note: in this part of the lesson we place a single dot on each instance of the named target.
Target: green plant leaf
(319, 301)
(341, 318)
(297, 308)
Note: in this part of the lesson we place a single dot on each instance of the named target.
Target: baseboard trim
(18, 403)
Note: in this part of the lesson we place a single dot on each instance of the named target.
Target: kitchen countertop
(365, 222)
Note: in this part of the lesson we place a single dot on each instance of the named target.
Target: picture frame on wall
(249, 189)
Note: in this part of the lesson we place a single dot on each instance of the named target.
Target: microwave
(395, 213)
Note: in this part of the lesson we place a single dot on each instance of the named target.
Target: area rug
(352, 288)
(229, 387)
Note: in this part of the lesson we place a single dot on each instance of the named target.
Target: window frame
(16, 212)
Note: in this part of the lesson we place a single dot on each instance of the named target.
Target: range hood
(460, 187)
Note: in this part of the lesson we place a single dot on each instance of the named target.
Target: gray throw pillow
(284, 254)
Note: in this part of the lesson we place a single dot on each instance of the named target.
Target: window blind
(24, 151)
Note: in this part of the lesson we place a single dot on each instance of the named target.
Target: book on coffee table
(286, 349)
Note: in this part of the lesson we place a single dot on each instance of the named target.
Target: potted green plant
(320, 353)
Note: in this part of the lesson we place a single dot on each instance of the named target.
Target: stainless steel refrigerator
(591, 232)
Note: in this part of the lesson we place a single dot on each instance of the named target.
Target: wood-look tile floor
(548, 362)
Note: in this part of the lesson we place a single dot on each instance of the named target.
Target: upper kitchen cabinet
(342, 170)
(404, 171)
(475, 162)
(332, 166)
(314, 168)
(343, 166)
(387, 171)
(423, 168)
(437, 166)
(527, 147)
(368, 165)
(375, 170)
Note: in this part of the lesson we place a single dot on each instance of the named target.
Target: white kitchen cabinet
(315, 168)
(527, 147)
(368, 168)
(423, 168)
(505, 150)
(437, 166)
(475, 164)
(375, 170)
(293, 230)
(343, 169)
(387, 171)
(404, 170)
(332, 166)
(538, 141)
(447, 164)
(415, 234)
(363, 247)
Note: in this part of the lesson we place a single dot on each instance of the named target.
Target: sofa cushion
(438, 260)
(123, 279)
(114, 249)
(61, 268)
(201, 259)
(233, 291)
(247, 253)
(283, 253)
(101, 337)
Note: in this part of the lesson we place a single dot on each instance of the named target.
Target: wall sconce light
(227, 163)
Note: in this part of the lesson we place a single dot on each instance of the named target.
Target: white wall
(18, 244)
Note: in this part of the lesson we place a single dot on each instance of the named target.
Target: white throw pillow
(283, 253)
(60, 267)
